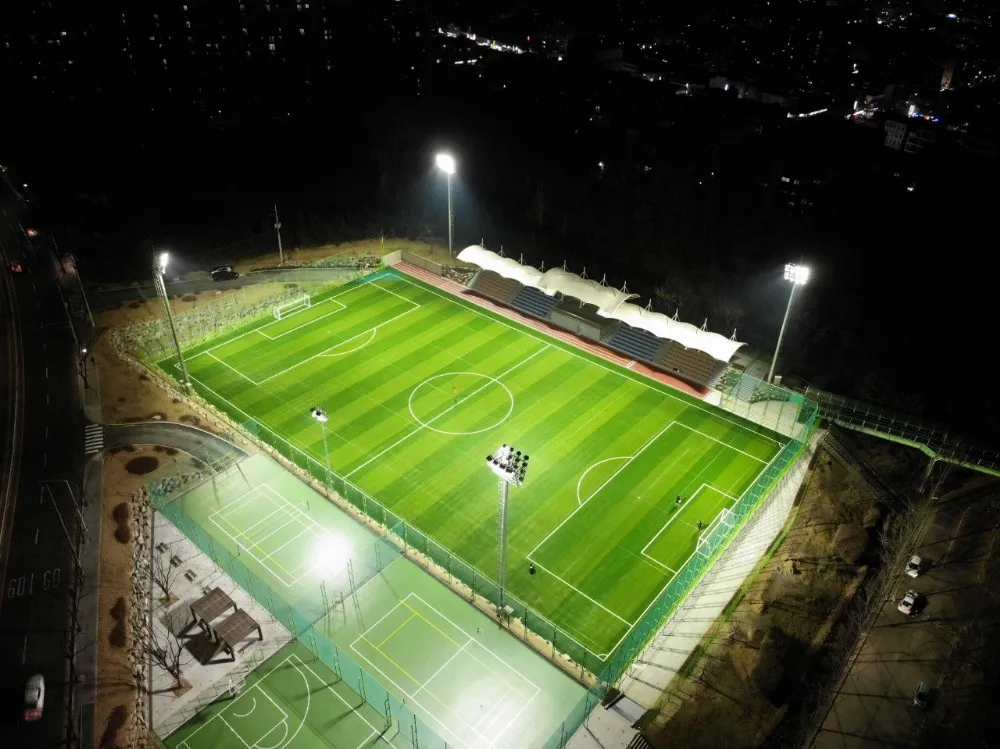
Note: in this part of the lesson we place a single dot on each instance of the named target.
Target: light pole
(510, 467)
(446, 163)
(277, 230)
(798, 275)
(83, 365)
(159, 268)
(321, 416)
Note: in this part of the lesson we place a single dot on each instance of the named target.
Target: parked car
(16, 268)
(914, 566)
(921, 696)
(224, 273)
(909, 603)
(34, 698)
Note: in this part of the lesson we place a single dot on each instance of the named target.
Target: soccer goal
(298, 303)
(712, 537)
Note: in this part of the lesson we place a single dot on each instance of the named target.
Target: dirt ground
(751, 672)
(123, 472)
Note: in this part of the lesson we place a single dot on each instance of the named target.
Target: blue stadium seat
(534, 302)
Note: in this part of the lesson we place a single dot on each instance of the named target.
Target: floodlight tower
(446, 163)
(798, 275)
(159, 268)
(510, 467)
(321, 416)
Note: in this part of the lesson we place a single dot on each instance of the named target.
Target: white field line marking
(671, 519)
(488, 713)
(234, 369)
(254, 707)
(333, 351)
(450, 408)
(304, 324)
(655, 598)
(442, 668)
(237, 734)
(589, 469)
(364, 635)
(389, 291)
(470, 637)
(611, 478)
(325, 351)
(415, 701)
(243, 695)
(394, 632)
(243, 533)
(274, 322)
(573, 587)
(292, 518)
(332, 690)
(306, 529)
(724, 444)
(513, 719)
(263, 564)
(621, 371)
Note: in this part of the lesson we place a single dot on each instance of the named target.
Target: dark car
(224, 273)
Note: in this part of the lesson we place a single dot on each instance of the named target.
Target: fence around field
(743, 395)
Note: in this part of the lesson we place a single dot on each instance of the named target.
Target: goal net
(290, 307)
(715, 533)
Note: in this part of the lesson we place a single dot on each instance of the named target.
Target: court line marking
(426, 424)
(573, 587)
(306, 666)
(304, 324)
(589, 469)
(284, 720)
(371, 338)
(230, 366)
(621, 371)
(395, 631)
(496, 704)
(263, 564)
(443, 666)
(243, 715)
(724, 444)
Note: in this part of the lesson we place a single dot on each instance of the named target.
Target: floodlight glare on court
(510, 466)
(446, 163)
(798, 275)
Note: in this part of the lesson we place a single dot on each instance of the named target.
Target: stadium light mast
(446, 163)
(510, 467)
(321, 416)
(159, 268)
(799, 276)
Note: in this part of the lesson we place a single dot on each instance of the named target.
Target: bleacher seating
(493, 286)
(636, 343)
(534, 302)
(691, 364)
(609, 329)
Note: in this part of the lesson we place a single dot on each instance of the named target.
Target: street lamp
(83, 365)
(159, 268)
(446, 163)
(510, 467)
(321, 416)
(798, 275)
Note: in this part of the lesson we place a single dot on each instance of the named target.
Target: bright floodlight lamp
(799, 276)
(446, 163)
(159, 268)
(511, 467)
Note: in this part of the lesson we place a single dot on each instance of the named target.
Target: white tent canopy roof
(610, 302)
(502, 266)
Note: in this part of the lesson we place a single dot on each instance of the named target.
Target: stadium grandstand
(603, 314)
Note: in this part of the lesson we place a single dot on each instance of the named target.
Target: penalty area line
(570, 585)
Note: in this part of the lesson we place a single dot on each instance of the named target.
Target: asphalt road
(35, 606)
(102, 298)
(874, 705)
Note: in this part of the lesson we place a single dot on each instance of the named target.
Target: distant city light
(952, 16)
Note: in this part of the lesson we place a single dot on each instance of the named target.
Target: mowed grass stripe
(571, 411)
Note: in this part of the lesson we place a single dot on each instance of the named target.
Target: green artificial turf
(420, 386)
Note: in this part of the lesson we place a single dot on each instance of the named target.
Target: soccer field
(420, 386)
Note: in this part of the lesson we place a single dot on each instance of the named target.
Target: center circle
(442, 396)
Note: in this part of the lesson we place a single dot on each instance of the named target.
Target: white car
(34, 698)
(908, 604)
(914, 566)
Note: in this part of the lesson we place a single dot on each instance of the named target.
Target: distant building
(895, 134)
(911, 136)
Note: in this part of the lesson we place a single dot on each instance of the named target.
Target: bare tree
(164, 650)
(163, 574)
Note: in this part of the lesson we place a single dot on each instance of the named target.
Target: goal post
(294, 305)
(715, 533)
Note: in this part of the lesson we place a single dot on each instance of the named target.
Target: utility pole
(277, 230)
